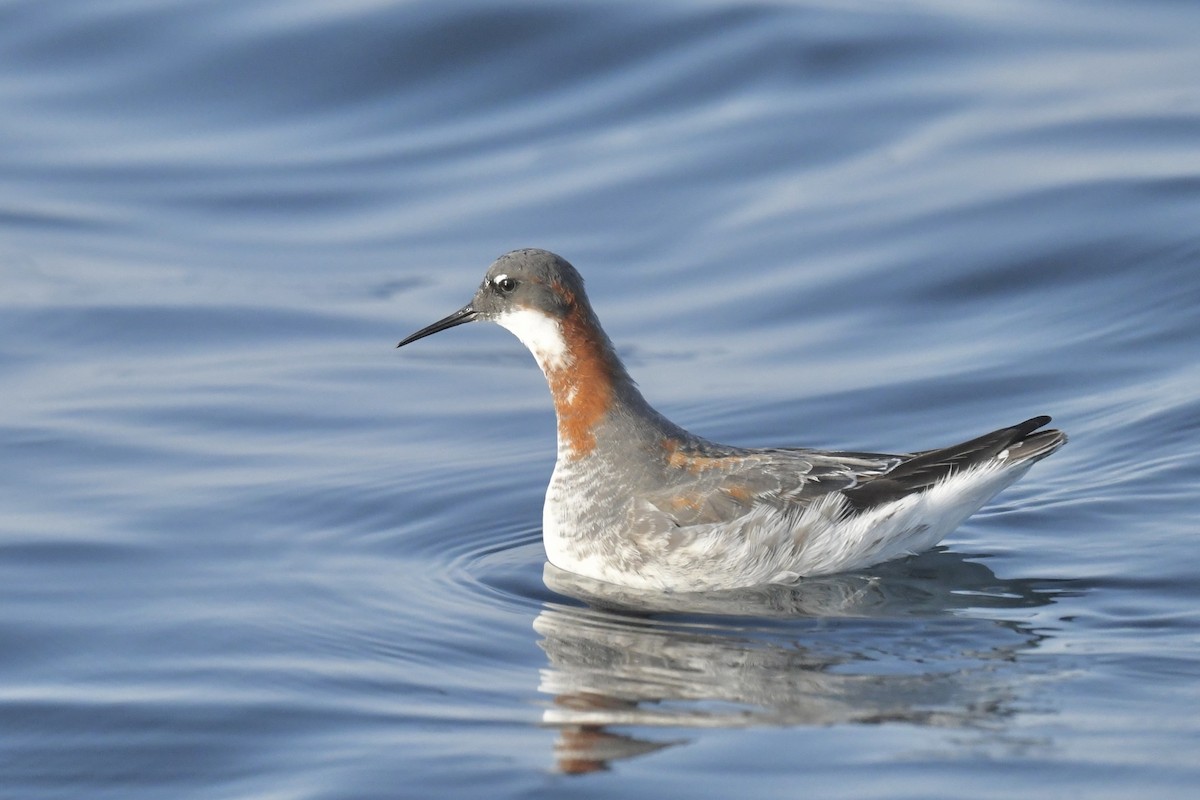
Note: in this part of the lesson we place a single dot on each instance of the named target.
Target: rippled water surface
(249, 550)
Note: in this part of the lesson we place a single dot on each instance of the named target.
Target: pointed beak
(465, 314)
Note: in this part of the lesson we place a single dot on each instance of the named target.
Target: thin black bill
(465, 314)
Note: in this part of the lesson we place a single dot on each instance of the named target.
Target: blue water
(249, 550)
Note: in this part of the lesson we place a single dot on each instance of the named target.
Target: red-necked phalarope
(638, 501)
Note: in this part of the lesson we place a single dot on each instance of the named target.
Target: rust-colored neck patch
(583, 387)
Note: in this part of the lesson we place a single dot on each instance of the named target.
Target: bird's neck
(587, 381)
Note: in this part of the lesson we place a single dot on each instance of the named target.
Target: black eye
(506, 285)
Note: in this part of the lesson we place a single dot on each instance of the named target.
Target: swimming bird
(638, 501)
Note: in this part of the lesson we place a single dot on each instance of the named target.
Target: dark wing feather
(922, 470)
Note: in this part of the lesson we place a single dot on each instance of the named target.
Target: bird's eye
(506, 284)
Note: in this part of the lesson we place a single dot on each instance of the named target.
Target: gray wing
(713, 484)
(708, 489)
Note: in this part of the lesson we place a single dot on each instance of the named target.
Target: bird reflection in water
(922, 642)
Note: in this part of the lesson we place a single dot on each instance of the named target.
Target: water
(248, 550)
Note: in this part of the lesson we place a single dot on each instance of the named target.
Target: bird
(636, 500)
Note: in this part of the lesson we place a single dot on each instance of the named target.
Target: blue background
(247, 549)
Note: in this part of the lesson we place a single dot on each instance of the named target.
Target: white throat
(540, 333)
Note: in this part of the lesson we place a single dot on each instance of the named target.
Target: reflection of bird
(581, 749)
(893, 646)
(638, 501)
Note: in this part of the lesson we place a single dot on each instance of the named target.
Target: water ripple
(248, 548)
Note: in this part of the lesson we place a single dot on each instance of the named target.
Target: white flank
(767, 546)
(538, 332)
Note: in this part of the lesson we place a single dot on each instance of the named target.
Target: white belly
(765, 546)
